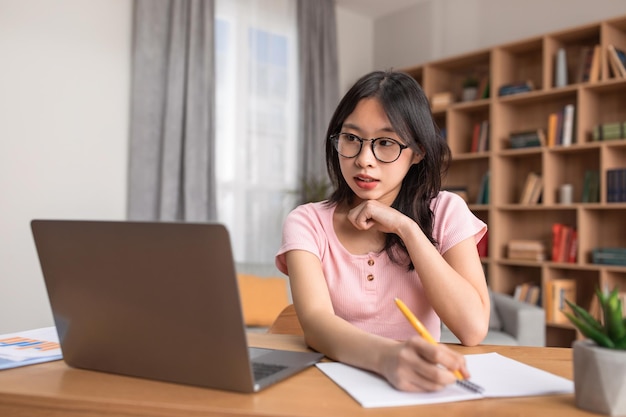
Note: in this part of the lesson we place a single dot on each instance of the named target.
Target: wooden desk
(53, 389)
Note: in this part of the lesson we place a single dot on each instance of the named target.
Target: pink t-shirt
(362, 287)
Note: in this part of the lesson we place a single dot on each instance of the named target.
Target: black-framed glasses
(384, 149)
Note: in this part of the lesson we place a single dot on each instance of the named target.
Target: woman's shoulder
(446, 200)
(318, 212)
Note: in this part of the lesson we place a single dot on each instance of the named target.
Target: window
(256, 122)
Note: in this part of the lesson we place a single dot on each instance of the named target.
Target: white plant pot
(599, 378)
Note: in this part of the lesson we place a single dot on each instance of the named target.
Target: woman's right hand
(416, 365)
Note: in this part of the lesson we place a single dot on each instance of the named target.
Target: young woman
(387, 231)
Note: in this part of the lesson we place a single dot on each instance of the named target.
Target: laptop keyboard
(262, 370)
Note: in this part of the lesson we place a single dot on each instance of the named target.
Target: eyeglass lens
(384, 149)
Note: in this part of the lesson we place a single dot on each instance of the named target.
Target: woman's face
(367, 177)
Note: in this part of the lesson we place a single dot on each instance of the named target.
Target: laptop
(154, 300)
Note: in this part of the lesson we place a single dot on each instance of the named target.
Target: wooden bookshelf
(598, 224)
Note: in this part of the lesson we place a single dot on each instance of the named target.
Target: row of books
(528, 293)
(532, 189)
(564, 243)
(609, 131)
(588, 64)
(616, 185)
(609, 256)
(561, 126)
(480, 137)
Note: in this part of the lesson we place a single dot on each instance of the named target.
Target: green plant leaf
(589, 331)
(613, 318)
(582, 314)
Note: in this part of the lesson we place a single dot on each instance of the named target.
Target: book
(500, 377)
(483, 191)
(29, 347)
(531, 191)
(567, 137)
(617, 66)
(584, 64)
(482, 139)
(516, 88)
(618, 57)
(609, 256)
(616, 185)
(594, 71)
(591, 186)
(562, 289)
(552, 127)
(527, 139)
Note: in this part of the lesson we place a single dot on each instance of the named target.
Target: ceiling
(376, 8)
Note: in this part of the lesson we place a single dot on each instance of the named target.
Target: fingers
(372, 213)
(421, 366)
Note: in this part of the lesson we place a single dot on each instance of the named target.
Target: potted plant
(470, 88)
(600, 360)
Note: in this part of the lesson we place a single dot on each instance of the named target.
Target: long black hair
(408, 110)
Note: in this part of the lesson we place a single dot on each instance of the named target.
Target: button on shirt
(363, 287)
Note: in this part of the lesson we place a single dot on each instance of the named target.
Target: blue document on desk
(29, 347)
(498, 375)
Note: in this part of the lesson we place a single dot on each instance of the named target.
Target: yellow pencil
(421, 329)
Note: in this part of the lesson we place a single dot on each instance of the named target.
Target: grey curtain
(171, 170)
(319, 84)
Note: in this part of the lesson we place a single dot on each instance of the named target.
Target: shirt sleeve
(455, 222)
(302, 230)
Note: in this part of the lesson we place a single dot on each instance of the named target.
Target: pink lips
(365, 182)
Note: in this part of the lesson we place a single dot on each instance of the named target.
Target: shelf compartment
(601, 227)
(517, 114)
(517, 273)
(448, 75)
(467, 174)
(574, 43)
(463, 121)
(567, 165)
(603, 103)
(519, 62)
(537, 226)
(513, 169)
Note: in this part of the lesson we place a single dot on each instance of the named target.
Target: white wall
(64, 102)
(355, 37)
(435, 29)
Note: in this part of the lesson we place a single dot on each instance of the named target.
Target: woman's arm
(454, 283)
(412, 365)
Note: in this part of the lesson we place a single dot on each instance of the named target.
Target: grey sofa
(512, 322)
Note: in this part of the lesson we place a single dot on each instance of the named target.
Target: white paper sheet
(498, 375)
